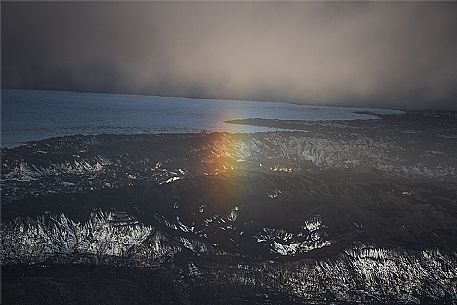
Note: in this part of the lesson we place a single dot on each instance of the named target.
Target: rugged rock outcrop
(348, 212)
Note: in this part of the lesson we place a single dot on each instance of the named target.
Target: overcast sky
(376, 54)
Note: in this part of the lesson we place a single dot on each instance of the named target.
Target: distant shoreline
(39, 114)
(266, 100)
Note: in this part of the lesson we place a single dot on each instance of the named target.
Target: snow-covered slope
(359, 273)
(88, 163)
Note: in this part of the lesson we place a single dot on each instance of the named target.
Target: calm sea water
(34, 114)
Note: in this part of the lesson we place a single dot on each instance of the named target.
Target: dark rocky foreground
(342, 212)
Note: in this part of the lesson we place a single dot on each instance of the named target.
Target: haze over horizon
(399, 55)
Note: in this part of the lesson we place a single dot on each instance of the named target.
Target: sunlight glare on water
(35, 114)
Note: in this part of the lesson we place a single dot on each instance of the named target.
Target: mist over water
(33, 115)
(381, 54)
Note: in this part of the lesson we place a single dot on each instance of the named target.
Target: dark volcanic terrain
(342, 212)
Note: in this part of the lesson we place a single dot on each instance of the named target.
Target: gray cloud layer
(383, 54)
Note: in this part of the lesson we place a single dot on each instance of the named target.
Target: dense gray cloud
(382, 54)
